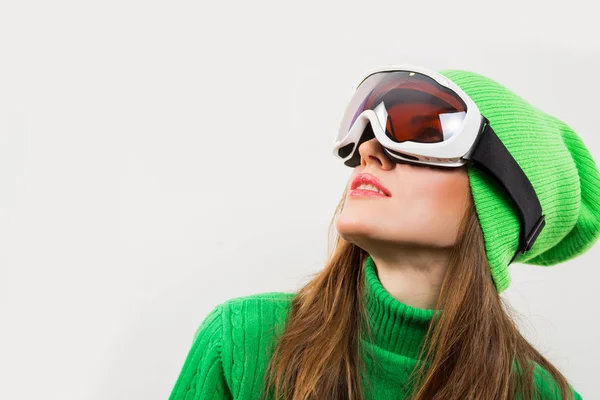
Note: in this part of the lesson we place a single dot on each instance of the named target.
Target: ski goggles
(423, 118)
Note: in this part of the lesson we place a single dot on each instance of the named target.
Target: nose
(371, 152)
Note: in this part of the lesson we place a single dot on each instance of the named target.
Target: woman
(454, 178)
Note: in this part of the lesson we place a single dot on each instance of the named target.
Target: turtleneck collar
(396, 326)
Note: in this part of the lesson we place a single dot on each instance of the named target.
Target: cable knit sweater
(229, 353)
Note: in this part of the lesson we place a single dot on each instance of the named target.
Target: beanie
(559, 166)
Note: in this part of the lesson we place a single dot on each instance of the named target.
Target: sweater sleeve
(202, 377)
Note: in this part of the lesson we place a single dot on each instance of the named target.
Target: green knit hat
(560, 168)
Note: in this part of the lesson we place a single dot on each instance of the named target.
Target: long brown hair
(472, 350)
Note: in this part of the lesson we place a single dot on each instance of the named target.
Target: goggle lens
(414, 107)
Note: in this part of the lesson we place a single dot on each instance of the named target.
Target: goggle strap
(491, 156)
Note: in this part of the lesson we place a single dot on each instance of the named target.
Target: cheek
(444, 198)
(448, 193)
(431, 207)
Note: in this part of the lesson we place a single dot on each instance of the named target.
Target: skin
(410, 234)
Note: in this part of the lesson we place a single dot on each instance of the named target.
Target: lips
(369, 179)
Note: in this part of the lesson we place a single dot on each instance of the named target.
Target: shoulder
(265, 297)
(254, 316)
(247, 327)
(249, 312)
(547, 387)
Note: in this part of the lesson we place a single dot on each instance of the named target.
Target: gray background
(157, 158)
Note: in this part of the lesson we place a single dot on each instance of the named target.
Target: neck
(412, 276)
(396, 327)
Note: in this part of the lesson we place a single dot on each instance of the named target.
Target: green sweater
(228, 356)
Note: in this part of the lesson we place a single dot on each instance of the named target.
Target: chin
(356, 230)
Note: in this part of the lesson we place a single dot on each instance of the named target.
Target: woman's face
(424, 205)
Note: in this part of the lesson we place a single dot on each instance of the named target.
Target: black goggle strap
(491, 156)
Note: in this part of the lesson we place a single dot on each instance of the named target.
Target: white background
(157, 158)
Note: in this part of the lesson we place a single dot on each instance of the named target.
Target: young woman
(455, 177)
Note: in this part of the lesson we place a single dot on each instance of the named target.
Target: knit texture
(230, 350)
(560, 168)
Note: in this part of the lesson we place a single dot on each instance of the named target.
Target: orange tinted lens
(418, 108)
